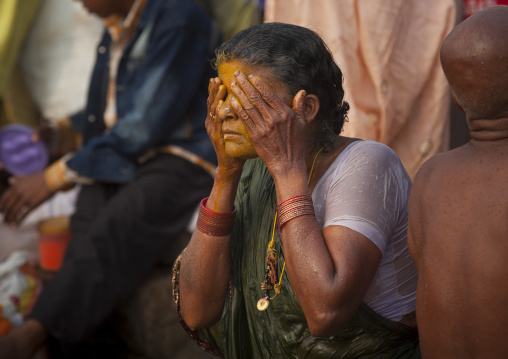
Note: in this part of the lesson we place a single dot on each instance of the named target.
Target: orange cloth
(5, 327)
(389, 53)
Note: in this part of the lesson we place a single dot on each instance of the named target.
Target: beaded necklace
(271, 259)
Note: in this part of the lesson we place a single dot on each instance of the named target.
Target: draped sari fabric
(281, 331)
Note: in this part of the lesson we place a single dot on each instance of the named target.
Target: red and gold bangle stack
(294, 207)
(214, 223)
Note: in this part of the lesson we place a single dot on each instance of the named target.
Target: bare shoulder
(428, 195)
(456, 191)
(433, 171)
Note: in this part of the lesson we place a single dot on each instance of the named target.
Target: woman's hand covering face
(277, 132)
(227, 165)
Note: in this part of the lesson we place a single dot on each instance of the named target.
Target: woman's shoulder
(371, 148)
(365, 152)
(367, 162)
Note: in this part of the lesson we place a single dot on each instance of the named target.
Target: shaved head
(474, 57)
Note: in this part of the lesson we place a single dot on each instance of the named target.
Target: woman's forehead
(227, 69)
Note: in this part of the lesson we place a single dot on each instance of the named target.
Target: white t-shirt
(367, 190)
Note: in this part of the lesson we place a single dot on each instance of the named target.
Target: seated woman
(300, 250)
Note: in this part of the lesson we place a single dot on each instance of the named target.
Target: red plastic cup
(54, 236)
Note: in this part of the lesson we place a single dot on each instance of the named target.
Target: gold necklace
(271, 259)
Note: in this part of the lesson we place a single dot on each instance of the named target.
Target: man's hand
(24, 194)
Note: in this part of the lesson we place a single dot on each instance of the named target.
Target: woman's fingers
(210, 85)
(242, 114)
(216, 92)
(247, 102)
(268, 96)
(217, 118)
(260, 103)
(221, 94)
(211, 94)
(244, 107)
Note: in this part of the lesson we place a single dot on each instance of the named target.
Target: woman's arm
(206, 265)
(330, 270)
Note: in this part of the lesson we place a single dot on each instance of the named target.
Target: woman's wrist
(228, 175)
(294, 207)
(227, 180)
(217, 224)
(223, 194)
(288, 172)
(291, 185)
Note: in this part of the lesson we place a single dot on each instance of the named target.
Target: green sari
(281, 331)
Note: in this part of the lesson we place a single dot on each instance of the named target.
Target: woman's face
(236, 137)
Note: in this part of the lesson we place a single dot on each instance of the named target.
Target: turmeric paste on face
(235, 134)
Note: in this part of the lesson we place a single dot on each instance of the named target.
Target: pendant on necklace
(263, 303)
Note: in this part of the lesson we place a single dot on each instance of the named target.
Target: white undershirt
(367, 190)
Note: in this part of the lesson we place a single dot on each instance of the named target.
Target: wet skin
(263, 121)
(458, 210)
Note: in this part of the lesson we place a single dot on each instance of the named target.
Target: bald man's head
(474, 57)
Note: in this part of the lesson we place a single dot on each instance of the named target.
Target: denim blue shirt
(161, 93)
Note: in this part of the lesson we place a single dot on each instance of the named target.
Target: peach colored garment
(389, 53)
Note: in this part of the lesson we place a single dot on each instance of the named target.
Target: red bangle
(214, 223)
(294, 207)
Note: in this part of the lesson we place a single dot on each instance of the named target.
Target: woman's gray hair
(298, 58)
